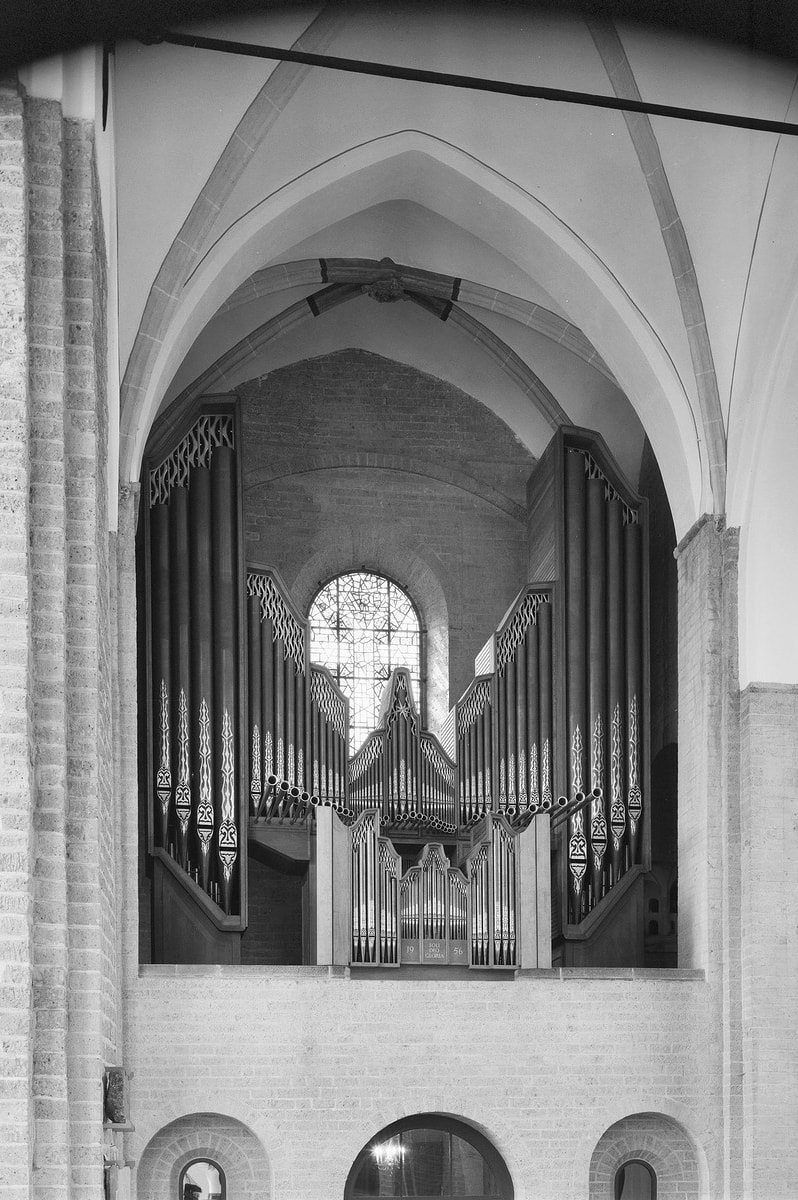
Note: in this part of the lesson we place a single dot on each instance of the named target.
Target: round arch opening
(202, 1179)
(429, 1155)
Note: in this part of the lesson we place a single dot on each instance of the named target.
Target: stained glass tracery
(362, 627)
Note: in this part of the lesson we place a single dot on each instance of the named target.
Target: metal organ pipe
(597, 678)
(616, 783)
(225, 638)
(533, 712)
(203, 710)
(161, 668)
(510, 723)
(255, 708)
(521, 798)
(278, 658)
(634, 681)
(267, 694)
(181, 662)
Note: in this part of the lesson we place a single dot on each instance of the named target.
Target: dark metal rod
(470, 82)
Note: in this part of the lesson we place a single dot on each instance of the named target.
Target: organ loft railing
(525, 820)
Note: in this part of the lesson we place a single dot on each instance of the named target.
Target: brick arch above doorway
(213, 1136)
(656, 1140)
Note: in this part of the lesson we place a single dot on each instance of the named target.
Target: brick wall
(352, 460)
(315, 1063)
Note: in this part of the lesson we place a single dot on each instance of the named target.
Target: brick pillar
(709, 810)
(769, 735)
(16, 776)
(127, 673)
(48, 572)
(90, 875)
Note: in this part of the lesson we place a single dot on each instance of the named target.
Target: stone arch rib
(641, 132)
(185, 250)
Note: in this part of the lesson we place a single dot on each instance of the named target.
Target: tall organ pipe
(225, 637)
(616, 690)
(546, 702)
(597, 678)
(203, 710)
(290, 719)
(256, 726)
(278, 674)
(181, 662)
(522, 745)
(576, 643)
(302, 680)
(533, 711)
(267, 695)
(634, 682)
(162, 670)
(509, 720)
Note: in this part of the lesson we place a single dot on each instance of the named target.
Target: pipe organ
(435, 913)
(402, 770)
(194, 703)
(433, 840)
(298, 723)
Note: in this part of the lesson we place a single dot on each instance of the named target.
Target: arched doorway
(429, 1155)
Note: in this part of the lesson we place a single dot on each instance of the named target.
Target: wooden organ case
(517, 839)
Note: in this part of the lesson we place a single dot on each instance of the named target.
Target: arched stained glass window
(362, 627)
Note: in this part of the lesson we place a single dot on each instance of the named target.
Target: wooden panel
(182, 933)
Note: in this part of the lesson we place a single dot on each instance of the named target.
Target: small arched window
(362, 626)
(635, 1180)
(202, 1180)
(428, 1156)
